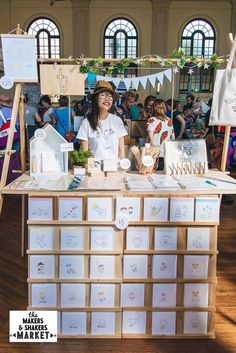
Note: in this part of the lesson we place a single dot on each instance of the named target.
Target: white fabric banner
(127, 82)
(116, 81)
(160, 77)
(152, 79)
(168, 74)
(135, 82)
(143, 81)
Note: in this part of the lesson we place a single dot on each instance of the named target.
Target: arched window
(47, 37)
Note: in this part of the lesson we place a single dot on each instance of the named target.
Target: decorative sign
(67, 147)
(121, 221)
(125, 163)
(40, 134)
(6, 82)
(147, 161)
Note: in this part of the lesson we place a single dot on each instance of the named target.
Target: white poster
(164, 266)
(40, 208)
(198, 238)
(74, 323)
(207, 209)
(99, 208)
(137, 238)
(73, 295)
(181, 209)
(135, 266)
(102, 238)
(163, 323)
(155, 209)
(165, 238)
(103, 323)
(102, 267)
(71, 266)
(134, 322)
(72, 238)
(196, 294)
(41, 238)
(164, 295)
(196, 266)
(102, 295)
(129, 206)
(195, 323)
(132, 294)
(41, 266)
(44, 295)
(70, 208)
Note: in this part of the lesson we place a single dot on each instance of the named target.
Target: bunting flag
(127, 82)
(168, 74)
(135, 82)
(160, 77)
(152, 79)
(116, 81)
(85, 76)
(143, 81)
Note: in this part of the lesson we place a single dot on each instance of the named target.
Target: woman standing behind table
(102, 132)
(46, 111)
(62, 116)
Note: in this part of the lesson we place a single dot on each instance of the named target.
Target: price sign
(6, 82)
(67, 147)
(40, 134)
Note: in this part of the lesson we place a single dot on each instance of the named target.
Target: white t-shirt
(103, 142)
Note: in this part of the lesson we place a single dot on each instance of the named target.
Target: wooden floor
(13, 296)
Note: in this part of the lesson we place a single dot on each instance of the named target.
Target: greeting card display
(181, 209)
(132, 294)
(102, 267)
(198, 238)
(135, 266)
(102, 295)
(137, 238)
(73, 323)
(40, 209)
(155, 209)
(70, 208)
(129, 206)
(165, 238)
(103, 323)
(73, 295)
(195, 323)
(102, 238)
(207, 209)
(196, 294)
(71, 266)
(196, 266)
(99, 209)
(44, 295)
(164, 295)
(164, 266)
(72, 238)
(163, 323)
(41, 238)
(134, 322)
(41, 266)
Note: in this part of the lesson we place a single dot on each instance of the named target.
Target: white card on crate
(102, 267)
(74, 323)
(163, 323)
(71, 266)
(135, 266)
(99, 209)
(103, 323)
(164, 266)
(196, 294)
(129, 206)
(70, 208)
(155, 209)
(195, 323)
(72, 238)
(44, 295)
(198, 238)
(41, 266)
(134, 322)
(164, 295)
(207, 209)
(165, 238)
(41, 238)
(132, 294)
(181, 209)
(102, 295)
(73, 295)
(102, 238)
(137, 238)
(40, 208)
(196, 266)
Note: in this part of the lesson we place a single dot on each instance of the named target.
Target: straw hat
(6, 101)
(103, 86)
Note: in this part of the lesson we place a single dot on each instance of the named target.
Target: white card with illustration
(164, 295)
(70, 208)
(40, 208)
(135, 266)
(195, 322)
(73, 295)
(137, 238)
(102, 295)
(103, 323)
(163, 323)
(155, 209)
(71, 266)
(44, 295)
(132, 294)
(165, 238)
(207, 209)
(99, 208)
(196, 294)
(72, 238)
(102, 238)
(181, 209)
(41, 266)
(198, 238)
(102, 267)
(134, 322)
(129, 206)
(164, 266)
(74, 323)
(41, 238)
(196, 266)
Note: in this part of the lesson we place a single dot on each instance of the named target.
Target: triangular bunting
(99, 78)
(116, 81)
(127, 82)
(152, 79)
(135, 82)
(143, 81)
(168, 74)
(160, 77)
(85, 76)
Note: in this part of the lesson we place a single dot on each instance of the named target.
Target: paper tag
(125, 163)
(79, 171)
(6, 82)
(67, 147)
(40, 134)
(110, 165)
(122, 221)
(147, 161)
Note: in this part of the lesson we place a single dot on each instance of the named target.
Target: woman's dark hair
(77, 110)
(46, 99)
(175, 103)
(93, 115)
(63, 101)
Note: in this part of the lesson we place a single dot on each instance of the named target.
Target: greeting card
(207, 209)
(40, 208)
(195, 322)
(73, 295)
(41, 266)
(103, 323)
(44, 295)
(102, 295)
(72, 238)
(196, 294)
(137, 238)
(165, 238)
(102, 267)
(134, 322)
(196, 266)
(164, 295)
(135, 266)
(198, 238)
(181, 209)
(99, 208)
(73, 323)
(70, 208)
(155, 209)
(41, 238)
(102, 238)
(129, 206)
(163, 323)
(71, 266)
(164, 266)
(132, 294)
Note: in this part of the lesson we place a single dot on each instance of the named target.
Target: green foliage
(79, 157)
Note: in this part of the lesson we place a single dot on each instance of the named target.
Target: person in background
(188, 110)
(31, 117)
(46, 111)
(63, 116)
(127, 101)
(178, 120)
(79, 108)
(148, 107)
(135, 112)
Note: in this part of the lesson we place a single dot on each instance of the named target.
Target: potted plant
(79, 157)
